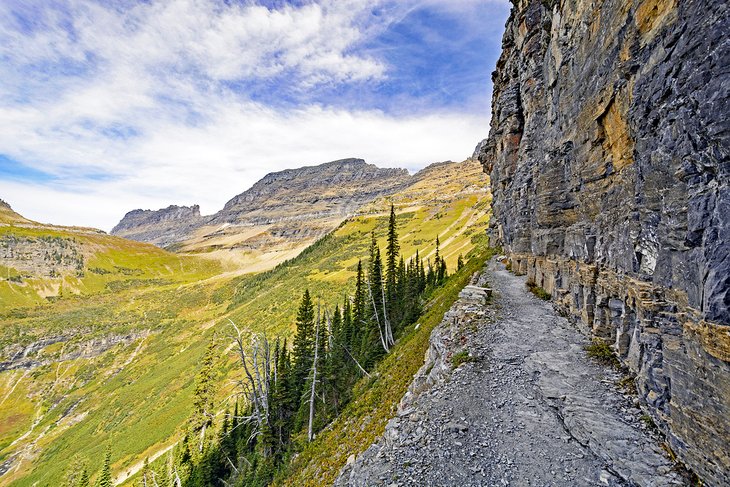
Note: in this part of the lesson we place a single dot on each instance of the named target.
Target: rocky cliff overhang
(609, 153)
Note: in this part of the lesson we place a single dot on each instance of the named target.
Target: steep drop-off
(609, 154)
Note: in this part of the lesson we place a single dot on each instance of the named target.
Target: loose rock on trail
(525, 407)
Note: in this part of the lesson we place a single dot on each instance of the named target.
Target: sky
(108, 106)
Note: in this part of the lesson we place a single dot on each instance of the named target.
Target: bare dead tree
(255, 359)
(377, 319)
(334, 342)
(310, 427)
(388, 329)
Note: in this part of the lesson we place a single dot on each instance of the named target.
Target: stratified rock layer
(609, 154)
(303, 203)
(160, 227)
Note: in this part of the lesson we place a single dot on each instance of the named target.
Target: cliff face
(160, 227)
(609, 154)
(302, 204)
(331, 189)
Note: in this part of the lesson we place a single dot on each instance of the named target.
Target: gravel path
(530, 409)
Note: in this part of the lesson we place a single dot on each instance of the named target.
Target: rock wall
(609, 154)
(160, 227)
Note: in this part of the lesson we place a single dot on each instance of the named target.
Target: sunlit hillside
(115, 365)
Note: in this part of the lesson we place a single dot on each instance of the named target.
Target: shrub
(461, 357)
(602, 352)
(538, 291)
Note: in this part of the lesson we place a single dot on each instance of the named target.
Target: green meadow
(117, 350)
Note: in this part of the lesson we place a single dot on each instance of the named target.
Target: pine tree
(83, 480)
(105, 477)
(203, 396)
(281, 404)
(391, 267)
(302, 355)
(399, 297)
(375, 339)
(360, 308)
(336, 367)
(146, 475)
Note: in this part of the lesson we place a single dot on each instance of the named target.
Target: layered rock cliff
(303, 204)
(609, 153)
(161, 227)
(330, 189)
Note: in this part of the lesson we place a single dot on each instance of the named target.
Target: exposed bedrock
(609, 154)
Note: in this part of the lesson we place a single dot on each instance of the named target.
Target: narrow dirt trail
(530, 409)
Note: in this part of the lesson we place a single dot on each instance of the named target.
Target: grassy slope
(136, 394)
(376, 400)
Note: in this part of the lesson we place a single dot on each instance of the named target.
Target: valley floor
(528, 408)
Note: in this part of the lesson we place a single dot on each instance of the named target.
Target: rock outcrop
(161, 227)
(609, 155)
(293, 198)
(330, 189)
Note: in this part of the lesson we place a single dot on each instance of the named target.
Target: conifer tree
(347, 328)
(377, 336)
(146, 475)
(337, 366)
(360, 308)
(303, 354)
(105, 477)
(203, 396)
(391, 266)
(83, 480)
(399, 297)
(282, 406)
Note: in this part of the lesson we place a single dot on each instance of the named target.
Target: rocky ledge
(609, 157)
(507, 396)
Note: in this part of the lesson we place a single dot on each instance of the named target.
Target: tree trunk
(314, 378)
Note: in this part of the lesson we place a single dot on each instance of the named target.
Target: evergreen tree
(105, 477)
(336, 367)
(281, 405)
(347, 327)
(359, 313)
(146, 474)
(163, 476)
(391, 267)
(422, 280)
(203, 396)
(399, 297)
(303, 354)
(375, 340)
(83, 480)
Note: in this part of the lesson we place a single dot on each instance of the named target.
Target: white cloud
(157, 72)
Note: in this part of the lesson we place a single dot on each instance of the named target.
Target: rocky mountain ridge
(331, 190)
(160, 227)
(608, 154)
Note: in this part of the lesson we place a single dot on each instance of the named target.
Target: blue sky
(107, 106)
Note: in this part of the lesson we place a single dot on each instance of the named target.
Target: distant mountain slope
(336, 188)
(161, 227)
(8, 216)
(118, 368)
(312, 200)
(42, 262)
